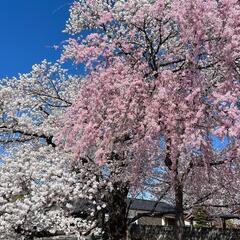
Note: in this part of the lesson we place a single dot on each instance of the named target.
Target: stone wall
(140, 232)
(59, 238)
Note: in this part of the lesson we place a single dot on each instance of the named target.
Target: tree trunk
(116, 226)
(179, 218)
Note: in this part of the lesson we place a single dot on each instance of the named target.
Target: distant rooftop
(149, 205)
(135, 204)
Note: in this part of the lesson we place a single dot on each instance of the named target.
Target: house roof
(135, 204)
(227, 216)
(148, 205)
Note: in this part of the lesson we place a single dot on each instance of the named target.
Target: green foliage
(201, 217)
(230, 224)
(18, 197)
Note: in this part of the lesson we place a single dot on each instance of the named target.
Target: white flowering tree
(30, 103)
(39, 190)
(41, 187)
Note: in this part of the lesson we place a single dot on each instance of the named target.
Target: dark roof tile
(148, 205)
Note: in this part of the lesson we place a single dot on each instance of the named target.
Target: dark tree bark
(116, 226)
(178, 193)
(179, 217)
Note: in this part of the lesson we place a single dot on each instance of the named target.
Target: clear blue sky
(29, 29)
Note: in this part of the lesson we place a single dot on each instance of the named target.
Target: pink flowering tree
(158, 70)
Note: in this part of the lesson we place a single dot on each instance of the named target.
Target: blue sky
(29, 29)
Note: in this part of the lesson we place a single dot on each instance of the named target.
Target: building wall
(155, 221)
(151, 221)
